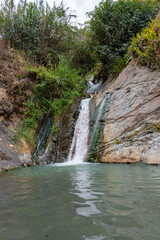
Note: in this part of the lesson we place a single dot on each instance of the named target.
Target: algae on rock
(96, 125)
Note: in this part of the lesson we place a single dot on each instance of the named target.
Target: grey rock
(10, 156)
(132, 124)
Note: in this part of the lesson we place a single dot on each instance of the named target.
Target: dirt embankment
(15, 89)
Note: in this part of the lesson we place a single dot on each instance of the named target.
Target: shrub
(82, 58)
(25, 133)
(41, 31)
(114, 23)
(54, 91)
(120, 63)
(145, 47)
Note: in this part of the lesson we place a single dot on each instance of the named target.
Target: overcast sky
(79, 6)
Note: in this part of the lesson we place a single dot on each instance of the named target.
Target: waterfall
(79, 145)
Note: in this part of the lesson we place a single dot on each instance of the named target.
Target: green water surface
(87, 201)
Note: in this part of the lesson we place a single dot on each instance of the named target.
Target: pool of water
(86, 201)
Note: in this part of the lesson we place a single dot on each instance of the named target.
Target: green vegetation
(118, 141)
(145, 47)
(45, 33)
(134, 133)
(156, 127)
(113, 24)
(26, 133)
(36, 28)
(53, 92)
(119, 64)
(83, 57)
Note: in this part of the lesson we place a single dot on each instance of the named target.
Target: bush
(82, 58)
(54, 91)
(45, 33)
(41, 31)
(114, 23)
(145, 47)
(119, 64)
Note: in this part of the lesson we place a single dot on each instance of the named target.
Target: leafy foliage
(43, 32)
(83, 57)
(25, 133)
(55, 90)
(145, 47)
(113, 24)
(46, 33)
(119, 64)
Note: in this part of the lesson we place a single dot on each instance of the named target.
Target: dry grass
(14, 79)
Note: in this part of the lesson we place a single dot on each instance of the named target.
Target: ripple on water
(87, 201)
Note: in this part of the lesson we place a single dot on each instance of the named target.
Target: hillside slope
(14, 91)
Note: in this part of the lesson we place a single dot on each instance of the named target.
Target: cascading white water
(79, 146)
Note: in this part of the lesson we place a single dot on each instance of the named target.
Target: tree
(113, 24)
(41, 31)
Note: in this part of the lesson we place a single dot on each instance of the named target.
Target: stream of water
(86, 201)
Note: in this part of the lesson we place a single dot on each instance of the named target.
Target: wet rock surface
(132, 125)
(58, 144)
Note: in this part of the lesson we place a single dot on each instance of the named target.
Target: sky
(79, 6)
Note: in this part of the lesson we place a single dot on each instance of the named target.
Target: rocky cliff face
(131, 130)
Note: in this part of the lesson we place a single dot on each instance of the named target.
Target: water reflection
(95, 238)
(87, 201)
(83, 188)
